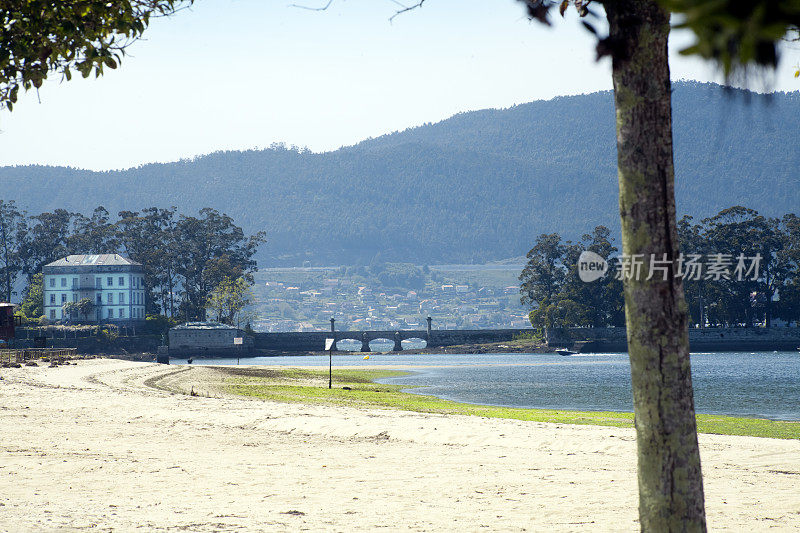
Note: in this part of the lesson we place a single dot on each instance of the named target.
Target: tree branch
(406, 8)
(323, 8)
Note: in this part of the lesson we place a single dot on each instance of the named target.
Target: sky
(242, 74)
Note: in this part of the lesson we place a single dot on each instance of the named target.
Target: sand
(93, 447)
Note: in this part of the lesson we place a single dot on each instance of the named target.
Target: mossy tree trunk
(670, 480)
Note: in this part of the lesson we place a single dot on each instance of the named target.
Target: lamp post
(330, 355)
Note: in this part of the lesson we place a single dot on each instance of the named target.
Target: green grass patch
(311, 386)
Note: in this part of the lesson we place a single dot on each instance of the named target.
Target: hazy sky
(237, 74)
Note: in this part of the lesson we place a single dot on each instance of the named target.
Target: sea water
(761, 384)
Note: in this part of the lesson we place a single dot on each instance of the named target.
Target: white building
(115, 285)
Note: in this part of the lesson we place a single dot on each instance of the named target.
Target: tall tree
(602, 299)
(149, 237)
(47, 240)
(13, 229)
(208, 247)
(671, 494)
(33, 297)
(558, 297)
(544, 273)
(229, 298)
(94, 235)
(739, 231)
(735, 34)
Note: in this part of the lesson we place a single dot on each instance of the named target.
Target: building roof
(88, 259)
(203, 325)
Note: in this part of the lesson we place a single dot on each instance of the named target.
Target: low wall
(311, 341)
(99, 345)
(598, 340)
(216, 351)
(450, 337)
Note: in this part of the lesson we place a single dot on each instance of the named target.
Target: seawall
(599, 340)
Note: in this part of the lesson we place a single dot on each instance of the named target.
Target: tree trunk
(670, 480)
(768, 293)
(171, 298)
(6, 260)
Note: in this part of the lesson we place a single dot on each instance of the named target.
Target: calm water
(764, 385)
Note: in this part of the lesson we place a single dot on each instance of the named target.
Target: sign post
(329, 347)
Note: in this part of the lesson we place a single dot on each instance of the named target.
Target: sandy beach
(94, 446)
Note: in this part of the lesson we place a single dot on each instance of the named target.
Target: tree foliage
(33, 297)
(229, 298)
(734, 34)
(12, 235)
(730, 301)
(184, 257)
(39, 38)
(558, 298)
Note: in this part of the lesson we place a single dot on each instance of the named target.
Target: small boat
(565, 352)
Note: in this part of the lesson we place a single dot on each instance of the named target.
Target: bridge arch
(348, 344)
(366, 337)
(380, 340)
(414, 343)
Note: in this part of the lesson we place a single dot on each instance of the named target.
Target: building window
(122, 298)
(110, 313)
(63, 282)
(63, 299)
(122, 313)
(110, 297)
(99, 300)
(52, 314)
(121, 281)
(109, 281)
(52, 299)
(97, 282)
(74, 296)
(52, 282)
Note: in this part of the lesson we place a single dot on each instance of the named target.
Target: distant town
(364, 298)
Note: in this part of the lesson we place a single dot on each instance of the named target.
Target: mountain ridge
(477, 186)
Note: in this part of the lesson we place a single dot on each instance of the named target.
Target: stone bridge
(435, 338)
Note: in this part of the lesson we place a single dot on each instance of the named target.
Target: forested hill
(477, 186)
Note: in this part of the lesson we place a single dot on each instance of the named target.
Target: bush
(109, 332)
(535, 336)
(158, 324)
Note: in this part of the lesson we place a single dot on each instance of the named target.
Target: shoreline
(91, 446)
(307, 384)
